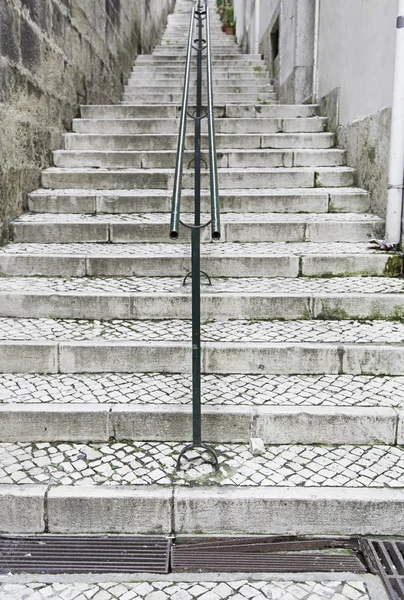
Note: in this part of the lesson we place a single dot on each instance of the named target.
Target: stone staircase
(303, 325)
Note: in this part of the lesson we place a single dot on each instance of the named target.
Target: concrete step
(119, 111)
(228, 87)
(219, 260)
(150, 98)
(222, 424)
(224, 125)
(241, 298)
(226, 159)
(229, 347)
(231, 178)
(298, 200)
(154, 227)
(106, 142)
(133, 487)
(243, 59)
(170, 80)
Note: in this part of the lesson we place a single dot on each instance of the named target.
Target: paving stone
(274, 590)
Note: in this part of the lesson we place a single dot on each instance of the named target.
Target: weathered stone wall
(54, 56)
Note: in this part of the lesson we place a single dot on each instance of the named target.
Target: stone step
(298, 200)
(154, 98)
(229, 347)
(104, 142)
(133, 487)
(226, 159)
(371, 298)
(231, 178)
(219, 260)
(154, 227)
(244, 59)
(224, 125)
(230, 88)
(222, 424)
(223, 71)
(120, 111)
(169, 80)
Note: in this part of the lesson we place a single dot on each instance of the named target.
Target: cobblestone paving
(145, 463)
(343, 332)
(165, 218)
(158, 388)
(164, 285)
(201, 590)
(214, 249)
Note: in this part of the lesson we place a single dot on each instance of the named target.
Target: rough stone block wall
(54, 56)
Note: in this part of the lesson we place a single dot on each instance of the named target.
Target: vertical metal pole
(196, 251)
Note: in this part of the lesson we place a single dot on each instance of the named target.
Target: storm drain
(269, 555)
(59, 554)
(386, 558)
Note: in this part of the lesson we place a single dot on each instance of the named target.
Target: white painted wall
(356, 54)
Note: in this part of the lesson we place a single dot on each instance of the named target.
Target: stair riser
(228, 179)
(174, 266)
(220, 358)
(168, 160)
(232, 126)
(223, 142)
(228, 510)
(280, 111)
(168, 81)
(156, 98)
(256, 88)
(220, 306)
(231, 232)
(319, 203)
(95, 423)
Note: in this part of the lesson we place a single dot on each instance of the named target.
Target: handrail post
(199, 14)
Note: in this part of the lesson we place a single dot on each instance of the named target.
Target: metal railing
(200, 20)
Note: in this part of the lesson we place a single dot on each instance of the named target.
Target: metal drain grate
(386, 558)
(79, 554)
(266, 555)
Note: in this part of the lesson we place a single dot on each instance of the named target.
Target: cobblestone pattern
(343, 332)
(146, 463)
(203, 590)
(208, 249)
(165, 218)
(158, 388)
(165, 285)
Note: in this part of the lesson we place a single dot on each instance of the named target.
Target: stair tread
(164, 389)
(153, 463)
(237, 331)
(208, 249)
(354, 286)
(158, 218)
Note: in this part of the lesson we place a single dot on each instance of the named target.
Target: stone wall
(54, 56)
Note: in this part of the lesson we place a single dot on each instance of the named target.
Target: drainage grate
(266, 555)
(386, 558)
(79, 554)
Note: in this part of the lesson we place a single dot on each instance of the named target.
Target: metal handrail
(200, 13)
(179, 167)
(176, 203)
(214, 184)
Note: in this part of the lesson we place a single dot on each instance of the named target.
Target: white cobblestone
(208, 249)
(343, 332)
(145, 463)
(166, 285)
(274, 590)
(159, 388)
